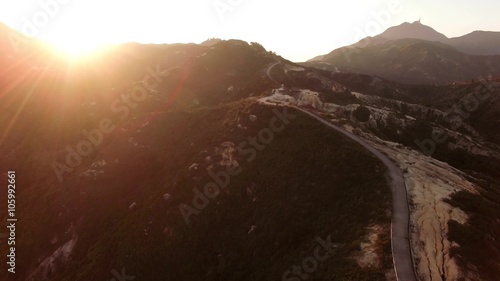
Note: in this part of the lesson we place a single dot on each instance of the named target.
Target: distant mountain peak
(415, 30)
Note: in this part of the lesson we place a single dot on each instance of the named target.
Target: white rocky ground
(429, 182)
(293, 68)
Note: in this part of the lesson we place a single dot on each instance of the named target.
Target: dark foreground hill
(114, 157)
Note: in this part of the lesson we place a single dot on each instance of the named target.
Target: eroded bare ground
(369, 255)
(429, 182)
(372, 248)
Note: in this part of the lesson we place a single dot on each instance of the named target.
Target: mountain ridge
(466, 43)
(417, 54)
(417, 31)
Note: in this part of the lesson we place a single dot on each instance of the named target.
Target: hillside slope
(116, 164)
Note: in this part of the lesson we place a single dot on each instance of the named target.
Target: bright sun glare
(76, 48)
(76, 40)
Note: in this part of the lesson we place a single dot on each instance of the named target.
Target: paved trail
(400, 222)
(268, 72)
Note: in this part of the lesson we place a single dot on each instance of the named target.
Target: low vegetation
(308, 182)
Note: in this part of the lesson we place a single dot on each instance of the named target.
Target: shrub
(362, 114)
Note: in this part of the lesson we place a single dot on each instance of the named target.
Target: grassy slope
(310, 182)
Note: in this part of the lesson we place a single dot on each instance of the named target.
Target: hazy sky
(297, 30)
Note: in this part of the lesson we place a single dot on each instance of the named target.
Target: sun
(75, 48)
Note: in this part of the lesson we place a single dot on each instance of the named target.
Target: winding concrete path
(400, 222)
(268, 72)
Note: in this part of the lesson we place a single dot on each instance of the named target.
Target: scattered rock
(194, 167)
(227, 153)
(252, 229)
(100, 163)
(167, 196)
